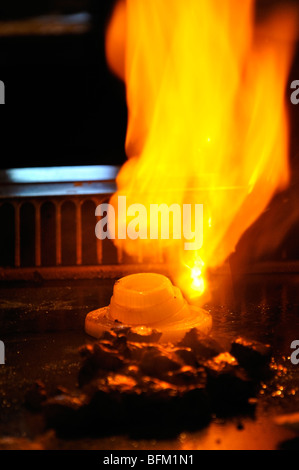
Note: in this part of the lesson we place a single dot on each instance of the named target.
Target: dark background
(63, 106)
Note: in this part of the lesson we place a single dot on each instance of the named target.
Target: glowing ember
(206, 119)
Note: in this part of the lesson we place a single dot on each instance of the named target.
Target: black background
(63, 105)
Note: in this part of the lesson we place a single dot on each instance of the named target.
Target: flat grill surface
(42, 326)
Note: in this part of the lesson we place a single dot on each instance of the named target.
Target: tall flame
(207, 121)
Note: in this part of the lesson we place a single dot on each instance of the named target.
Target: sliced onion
(150, 300)
(142, 290)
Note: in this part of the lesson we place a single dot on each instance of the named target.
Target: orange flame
(207, 120)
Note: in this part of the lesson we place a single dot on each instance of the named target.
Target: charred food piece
(139, 334)
(187, 376)
(157, 363)
(228, 384)
(109, 335)
(120, 402)
(202, 345)
(252, 355)
(35, 396)
(138, 350)
(66, 413)
(102, 355)
(187, 356)
(98, 359)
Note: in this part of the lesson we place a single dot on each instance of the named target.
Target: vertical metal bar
(99, 251)
(79, 233)
(120, 255)
(140, 259)
(37, 235)
(17, 236)
(58, 234)
(99, 243)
